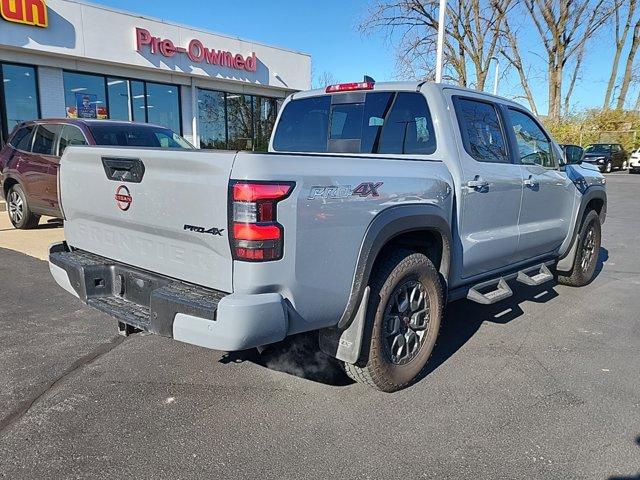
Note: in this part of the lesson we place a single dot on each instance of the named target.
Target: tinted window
(118, 90)
(137, 136)
(598, 149)
(212, 125)
(346, 121)
(20, 94)
(304, 125)
(266, 111)
(481, 131)
(240, 121)
(22, 138)
(376, 109)
(385, 123)
(70, 136)
(163, 105)
(533, 144)
(80, 88)
(45, 139)
(138, 102)
(408, 127)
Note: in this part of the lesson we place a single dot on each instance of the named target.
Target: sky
(328, 31)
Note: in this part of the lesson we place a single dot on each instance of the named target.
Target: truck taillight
(256, 235)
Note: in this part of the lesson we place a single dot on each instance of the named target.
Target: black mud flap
(346, 345)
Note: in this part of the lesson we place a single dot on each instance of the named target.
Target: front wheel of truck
(403, 322)
(589, 239)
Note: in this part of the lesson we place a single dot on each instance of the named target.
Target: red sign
(196, 51)
(27, 12)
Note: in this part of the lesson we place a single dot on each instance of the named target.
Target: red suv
(30, 160)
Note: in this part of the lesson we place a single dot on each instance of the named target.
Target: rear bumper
(168, 307)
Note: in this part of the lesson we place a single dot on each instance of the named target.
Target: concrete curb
(3, 206)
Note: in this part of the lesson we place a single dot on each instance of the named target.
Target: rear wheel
(608, 168)
(403, 322)
(625, 165)
(20, 214)
(588, 251)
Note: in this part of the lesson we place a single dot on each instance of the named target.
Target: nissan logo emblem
(123, 198)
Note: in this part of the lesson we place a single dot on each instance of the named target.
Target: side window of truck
(533, 144)
(481, 129)
(408, 128)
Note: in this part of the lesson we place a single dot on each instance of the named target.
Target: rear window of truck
(377, 122)
(137, 136)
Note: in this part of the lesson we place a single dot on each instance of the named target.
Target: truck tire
(18, 209)
(589, 239)
(403, 322)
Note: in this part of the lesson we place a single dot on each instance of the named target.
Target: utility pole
(440, 51)
(497, 79)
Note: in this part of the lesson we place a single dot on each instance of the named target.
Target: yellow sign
(27, 12)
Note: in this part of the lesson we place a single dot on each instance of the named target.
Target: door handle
(531, 183)
(478, 183)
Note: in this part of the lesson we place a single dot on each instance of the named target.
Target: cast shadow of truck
(300, 356)
(633, 477)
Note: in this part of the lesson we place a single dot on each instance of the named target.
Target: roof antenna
(368, 79)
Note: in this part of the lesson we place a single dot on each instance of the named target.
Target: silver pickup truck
(376, 205)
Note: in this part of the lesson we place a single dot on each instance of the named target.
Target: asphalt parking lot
(543, 386)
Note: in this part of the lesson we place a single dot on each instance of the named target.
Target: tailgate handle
(123, 169)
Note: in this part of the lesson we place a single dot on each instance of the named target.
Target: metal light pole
(497, 79)
(440, 51)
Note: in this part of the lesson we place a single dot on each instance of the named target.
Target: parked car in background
(30, 160)
(607, 156)
(634, 162)
(573, 154)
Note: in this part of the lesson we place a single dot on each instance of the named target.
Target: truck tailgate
(158, 210)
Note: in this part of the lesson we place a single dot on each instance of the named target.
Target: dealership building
(64, 58)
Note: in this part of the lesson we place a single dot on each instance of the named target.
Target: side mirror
(573, 155)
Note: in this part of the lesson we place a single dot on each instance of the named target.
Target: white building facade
(217, 91)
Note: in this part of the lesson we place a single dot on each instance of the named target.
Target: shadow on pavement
(300, 355)
(48, 225)
(633, 477)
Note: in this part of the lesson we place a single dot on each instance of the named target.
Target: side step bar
(543, 275)
(499, 293)
(496, 290)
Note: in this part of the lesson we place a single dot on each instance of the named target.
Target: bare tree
(324, 80)
(621, 34)
(565, 27)
(472, 35)
(628, 72)
(512, 53)
(573, 78)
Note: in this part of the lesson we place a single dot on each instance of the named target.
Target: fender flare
(565, 263)
(387, 225)
(344, 341)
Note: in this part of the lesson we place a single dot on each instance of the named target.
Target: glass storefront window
(90, 86)
(138, 102)
(128, 100)
(119, 102)
(212, 119)
(265, 115)
(234, 121)
(20, 95)
(163, 105)
(240, 121)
